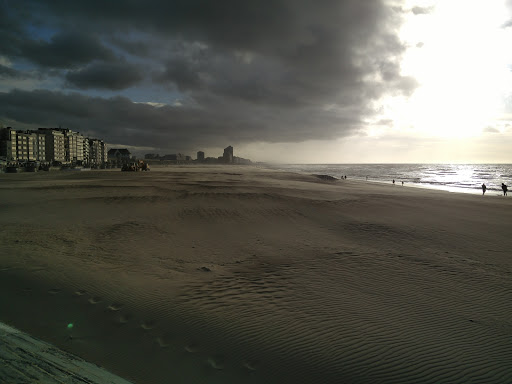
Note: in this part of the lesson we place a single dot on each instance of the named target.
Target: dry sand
(246, 275)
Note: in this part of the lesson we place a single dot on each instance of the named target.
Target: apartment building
(74, 146)
(55, 144)
(86, 151)
(8, 144)
(51, 144)
(227, 157)
(39, 146)
(97, 152)
(24, 146)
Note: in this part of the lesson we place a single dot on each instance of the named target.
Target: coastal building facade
(50, 145)
(8, 145)
(228, 154)
(119, 155)
(74, 145)
(55, 144)
(97, 152)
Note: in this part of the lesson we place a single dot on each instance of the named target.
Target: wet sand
(246, 275)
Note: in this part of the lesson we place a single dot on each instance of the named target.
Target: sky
(294, 81)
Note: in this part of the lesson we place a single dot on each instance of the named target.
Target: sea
(464, 178)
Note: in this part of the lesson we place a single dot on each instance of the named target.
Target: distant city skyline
(377, 81)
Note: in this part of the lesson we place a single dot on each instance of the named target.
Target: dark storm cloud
(286, 70)
(120, 120)
(101, 75)
(181, 72)
(6, 72)
(65, 50)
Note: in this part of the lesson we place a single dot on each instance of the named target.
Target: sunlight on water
(465, 178)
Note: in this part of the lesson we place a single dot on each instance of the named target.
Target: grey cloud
(422, 10)
(120, 120)
(137, 47)
(6, 72)
(102, 75)
(286, 70)
(65, 50)
(181, 72)
(491, 130)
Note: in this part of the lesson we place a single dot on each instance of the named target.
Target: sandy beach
(232, 274)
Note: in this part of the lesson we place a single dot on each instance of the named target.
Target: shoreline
(470, 191)
(246, 274)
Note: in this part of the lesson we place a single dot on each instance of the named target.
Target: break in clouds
(194, 74)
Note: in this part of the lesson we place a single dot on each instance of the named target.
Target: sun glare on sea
(458, 54)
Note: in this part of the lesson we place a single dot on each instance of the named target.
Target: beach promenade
(234, 274)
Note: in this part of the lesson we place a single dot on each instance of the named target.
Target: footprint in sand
(216, 362)
(161, 342)
(147, 325)
(114, 307)
(250, 365)
(124, 319)
(192, 348)
(54, 291)
(80, 292)
(94, 300)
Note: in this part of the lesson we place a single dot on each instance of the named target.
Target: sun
(457, 52)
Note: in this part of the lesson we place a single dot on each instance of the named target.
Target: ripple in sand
(114, 307)
(54, 291)
(216, 362)
(94, 300)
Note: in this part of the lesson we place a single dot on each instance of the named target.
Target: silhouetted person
(402, 183)
(505, 189)
(393, 181)
(484, 188)
(345, 177)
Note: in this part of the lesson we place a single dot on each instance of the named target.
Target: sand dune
(246, 275)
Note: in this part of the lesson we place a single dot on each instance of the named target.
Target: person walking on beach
(484, 188)
(393, 181)
(505, 189)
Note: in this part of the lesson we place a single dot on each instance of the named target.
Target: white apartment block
(86, 151)
(74, 143)
(55, 147)
(51, 144)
